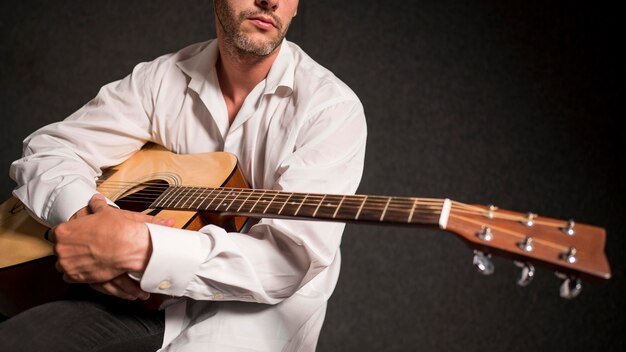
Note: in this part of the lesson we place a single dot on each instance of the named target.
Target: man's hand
(101, 244)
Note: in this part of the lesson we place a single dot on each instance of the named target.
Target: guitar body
(27, 273)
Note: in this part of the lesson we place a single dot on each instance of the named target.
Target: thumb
(97, 203)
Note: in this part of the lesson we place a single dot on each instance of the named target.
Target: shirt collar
(201, 68)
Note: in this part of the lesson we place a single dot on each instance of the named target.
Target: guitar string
(419, 213)
(240, 191)
(419, 203)
(433, 206)
(373, 203)
(357, 199)
(421, 208)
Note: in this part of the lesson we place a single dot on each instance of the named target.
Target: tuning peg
(491, 211)
(529, 220)
(526, 275)
(485, 234)
(568, 229)
(483, 263)
(570, 287)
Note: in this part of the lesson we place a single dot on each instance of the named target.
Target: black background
(511, 103)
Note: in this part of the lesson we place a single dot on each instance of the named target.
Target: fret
(197, 199)
(360, 208)
(285, 203)
(223, 201)
(349, 207)
(425, 211)
(179, 196)
(385, 210)
(161, 199)
(277, 203)
(339, 206)
(373, 208)
(234, 199)
(311, 203)
(266, 201)
(318, 205)
(301, 203)
(329, 207)
(412, 210)
(204, 199)
(270, 202)
(208, 207)
(292, 207)
(245, 200)
(172, 196)
(251, 210)
(399, 209)
(190, 198)
(157, 204)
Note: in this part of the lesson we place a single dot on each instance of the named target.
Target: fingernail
(99, 196)
(166, 222)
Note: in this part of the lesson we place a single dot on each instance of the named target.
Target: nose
(267, 4)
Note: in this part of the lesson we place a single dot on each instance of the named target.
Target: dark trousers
(102, 325)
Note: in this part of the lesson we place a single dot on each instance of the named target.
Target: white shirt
(300, 129)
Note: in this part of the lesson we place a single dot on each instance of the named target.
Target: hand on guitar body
(100, 244)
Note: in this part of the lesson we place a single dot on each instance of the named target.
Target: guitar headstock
(571, 249)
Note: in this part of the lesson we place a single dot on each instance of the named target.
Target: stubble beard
(244, 46)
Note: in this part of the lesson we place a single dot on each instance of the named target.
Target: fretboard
(327, 207)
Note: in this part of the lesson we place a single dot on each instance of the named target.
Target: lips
(263, 21)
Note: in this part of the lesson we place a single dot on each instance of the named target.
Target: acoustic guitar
(197, 189)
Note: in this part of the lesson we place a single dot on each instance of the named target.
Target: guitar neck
(312, 206)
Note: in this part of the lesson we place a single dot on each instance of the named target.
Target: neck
(327, 207)
(239, 72)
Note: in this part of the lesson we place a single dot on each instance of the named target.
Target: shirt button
(218, 296)
(165, 284)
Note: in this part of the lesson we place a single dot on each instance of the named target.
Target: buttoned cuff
(176, 256)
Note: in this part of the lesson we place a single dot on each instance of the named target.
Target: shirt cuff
(176, 256)
(69, 200)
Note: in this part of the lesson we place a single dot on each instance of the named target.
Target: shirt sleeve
(56, 175)
(276, 257)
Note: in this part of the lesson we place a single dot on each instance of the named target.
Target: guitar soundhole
(141, 199)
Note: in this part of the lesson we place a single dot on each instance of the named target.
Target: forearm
(55, 176)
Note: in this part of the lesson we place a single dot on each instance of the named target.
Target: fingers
(122, 287)
(98, 202)
(50, 235)
(150, 219)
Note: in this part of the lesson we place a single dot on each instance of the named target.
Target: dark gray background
(495, 102)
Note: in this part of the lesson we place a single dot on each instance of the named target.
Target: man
(292, 125)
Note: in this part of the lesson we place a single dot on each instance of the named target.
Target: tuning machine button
(570, 287)
(526, 275)
(483, 263)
